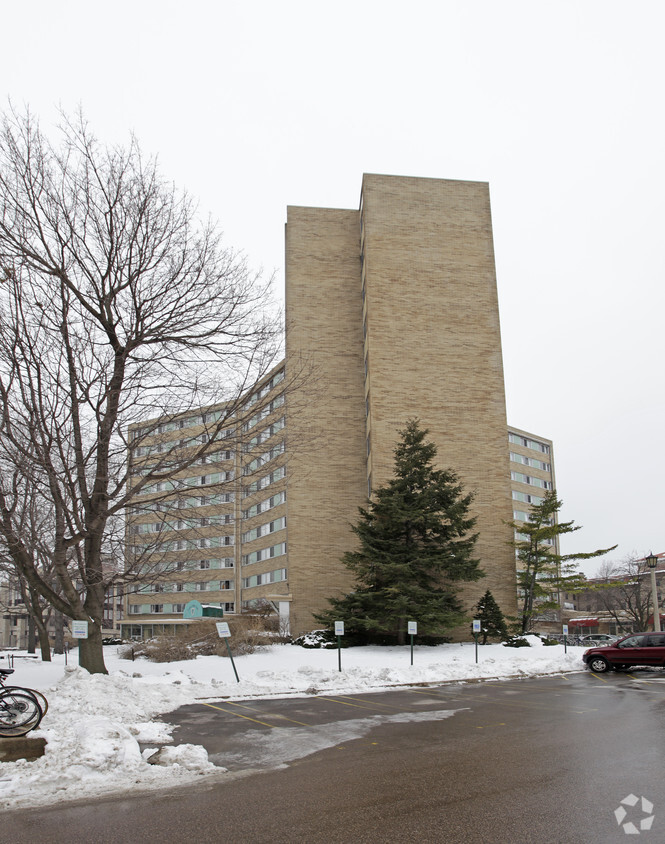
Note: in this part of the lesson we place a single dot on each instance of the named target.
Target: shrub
(316, 639)
(516, 642)
(248, 632)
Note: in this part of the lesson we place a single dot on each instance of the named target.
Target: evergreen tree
(415, 546)
(542, 573)
(492, 622)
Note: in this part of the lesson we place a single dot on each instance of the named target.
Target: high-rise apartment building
(391, 314)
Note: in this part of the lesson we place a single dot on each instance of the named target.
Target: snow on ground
(95, 722)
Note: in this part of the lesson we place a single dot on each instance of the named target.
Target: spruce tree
(542, 572)
(492, 622)
(416, 546)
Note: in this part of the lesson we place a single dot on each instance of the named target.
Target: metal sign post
(476, 631)
(565, 638)
(79, 631)
(224, 633)
(412, 627)
(339, 632)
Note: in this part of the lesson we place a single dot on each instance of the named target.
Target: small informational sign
(339, 628)
(223, 629)
(565, 629)
(412, 628)
(476, 625)
(79, 629)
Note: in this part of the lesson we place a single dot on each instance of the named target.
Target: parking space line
(342, 698)
(238, 715)
(344, 703)
(269, 714)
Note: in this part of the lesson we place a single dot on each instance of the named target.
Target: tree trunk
(44, 644)
(32, 639)
(91, 651)
(59, 622)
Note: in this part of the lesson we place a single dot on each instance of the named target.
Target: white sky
(253, 106)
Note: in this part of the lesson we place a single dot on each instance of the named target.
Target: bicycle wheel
(18, 709)
(13, 732)
(41, 700)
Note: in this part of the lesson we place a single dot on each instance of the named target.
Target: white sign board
(565, 629)
(339, 628)
(79, 629)
(412, 627)
(476, 625)
(223, 629)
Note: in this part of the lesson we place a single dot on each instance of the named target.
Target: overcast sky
(253, 106)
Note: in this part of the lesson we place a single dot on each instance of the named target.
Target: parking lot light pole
(652, 562)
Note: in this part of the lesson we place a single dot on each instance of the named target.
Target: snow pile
(95, 723)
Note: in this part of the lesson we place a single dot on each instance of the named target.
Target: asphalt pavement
(574, 758)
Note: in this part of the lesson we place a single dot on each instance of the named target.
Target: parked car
(636, 649)
(598, 639)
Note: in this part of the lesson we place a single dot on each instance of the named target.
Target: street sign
(339, 628)
(412, 627)
(223, 629)
(565, 629)
(79, 629)
(476, 625)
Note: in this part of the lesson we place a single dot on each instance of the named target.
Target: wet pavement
(535, 760)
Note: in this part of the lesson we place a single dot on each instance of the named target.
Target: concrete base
(21, 747)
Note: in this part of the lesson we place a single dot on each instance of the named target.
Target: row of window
(264, 554)
(267, 577)
(264, 458)
(265, 529)
(527, 498)
(182, 503)
(266, 480)
(144, 609)
(528, 443)
(530, 461)
(186, 422)
(185, 544)
(529, 479)
(276, 403)
(180, 483)
(263, 506)
(185, 565)
(185, 586)
(277, 378)
(182, 524)
(265, 434)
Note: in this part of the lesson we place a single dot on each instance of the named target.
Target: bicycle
(20, 710)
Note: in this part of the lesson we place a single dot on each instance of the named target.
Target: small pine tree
(415, 545)
(543, 573)
(492, 621)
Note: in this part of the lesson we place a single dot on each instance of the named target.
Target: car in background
(636, 649)
(597, 639)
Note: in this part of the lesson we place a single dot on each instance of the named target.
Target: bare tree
(623, 589)
(118, 305)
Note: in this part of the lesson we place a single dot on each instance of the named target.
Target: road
(543, 760)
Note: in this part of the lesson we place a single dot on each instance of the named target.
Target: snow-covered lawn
(95, 723)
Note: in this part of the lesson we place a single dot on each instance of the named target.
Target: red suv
(636, 649)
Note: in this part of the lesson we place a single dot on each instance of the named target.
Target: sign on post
(79, 629)
(339, 632)
(476, 631)
(223, 629)
(412, 630)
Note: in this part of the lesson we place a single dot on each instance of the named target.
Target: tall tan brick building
(395, 308)
(391, 313)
